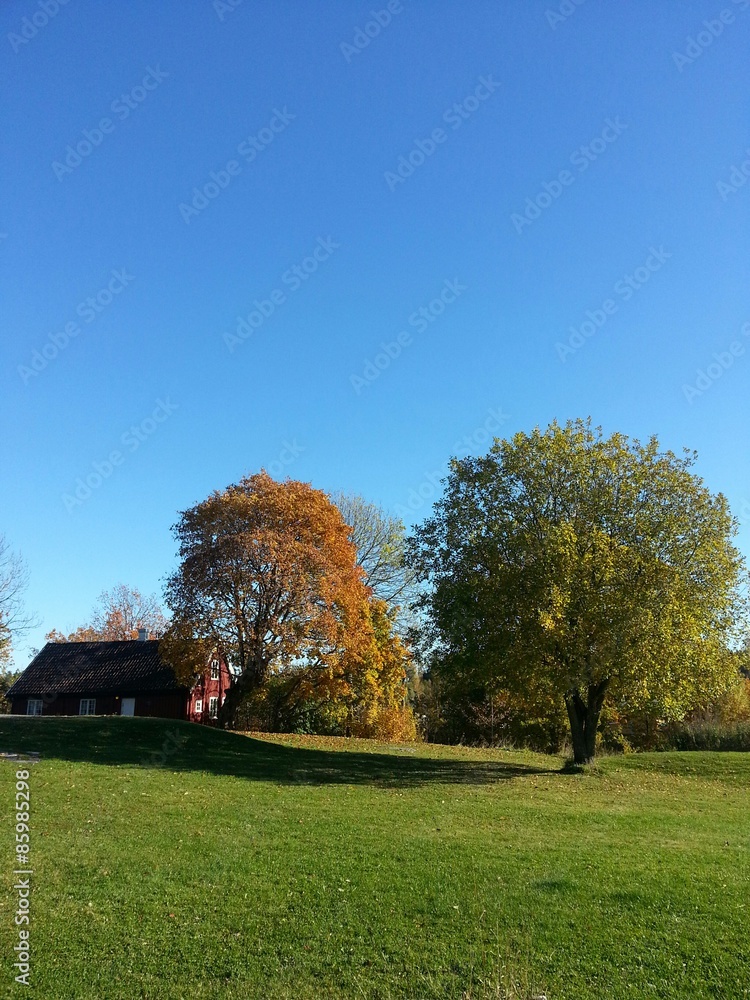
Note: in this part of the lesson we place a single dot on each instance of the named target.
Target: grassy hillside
(176, 861)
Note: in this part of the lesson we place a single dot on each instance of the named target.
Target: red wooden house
(116, 678)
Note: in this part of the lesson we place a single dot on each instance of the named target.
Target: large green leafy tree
(570, 565)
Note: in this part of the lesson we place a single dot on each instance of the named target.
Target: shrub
(390, 725)
(710, 736)
(723, 725)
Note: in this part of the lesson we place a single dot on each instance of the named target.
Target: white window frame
(34, 706)
(87, 706)
(198, 706)
(214, 670)
(213, 707)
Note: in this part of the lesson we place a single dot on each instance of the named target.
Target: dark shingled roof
(101, 667)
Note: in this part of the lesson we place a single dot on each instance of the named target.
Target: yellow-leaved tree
(567, 563)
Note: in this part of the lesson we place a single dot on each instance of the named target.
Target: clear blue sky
(644, 126)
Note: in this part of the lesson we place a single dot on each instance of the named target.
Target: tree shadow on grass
(184, 746)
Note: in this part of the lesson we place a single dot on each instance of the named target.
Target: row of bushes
(710, 736)
(452, 714)
(279, 707)
(723, 726)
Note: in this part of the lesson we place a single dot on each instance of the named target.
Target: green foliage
(709, 736)
(722, 725)
(7, 678)
(281, 705)
(452, 708)
(571, 566)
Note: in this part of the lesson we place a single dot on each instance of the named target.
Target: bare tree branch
(14, 579)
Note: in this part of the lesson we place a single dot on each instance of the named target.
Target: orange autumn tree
(362, 691)
(268, 576)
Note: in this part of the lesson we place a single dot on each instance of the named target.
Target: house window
(34, 706)
(214, 670)
(87, 707)
(213, 707)
(198, 706)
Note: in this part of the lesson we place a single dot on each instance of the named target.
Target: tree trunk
(584, 719)
(253, 676)
(235, 696)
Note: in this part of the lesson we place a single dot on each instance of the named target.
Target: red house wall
(208, 688)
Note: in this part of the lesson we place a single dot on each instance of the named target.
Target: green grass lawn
(319, 869)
